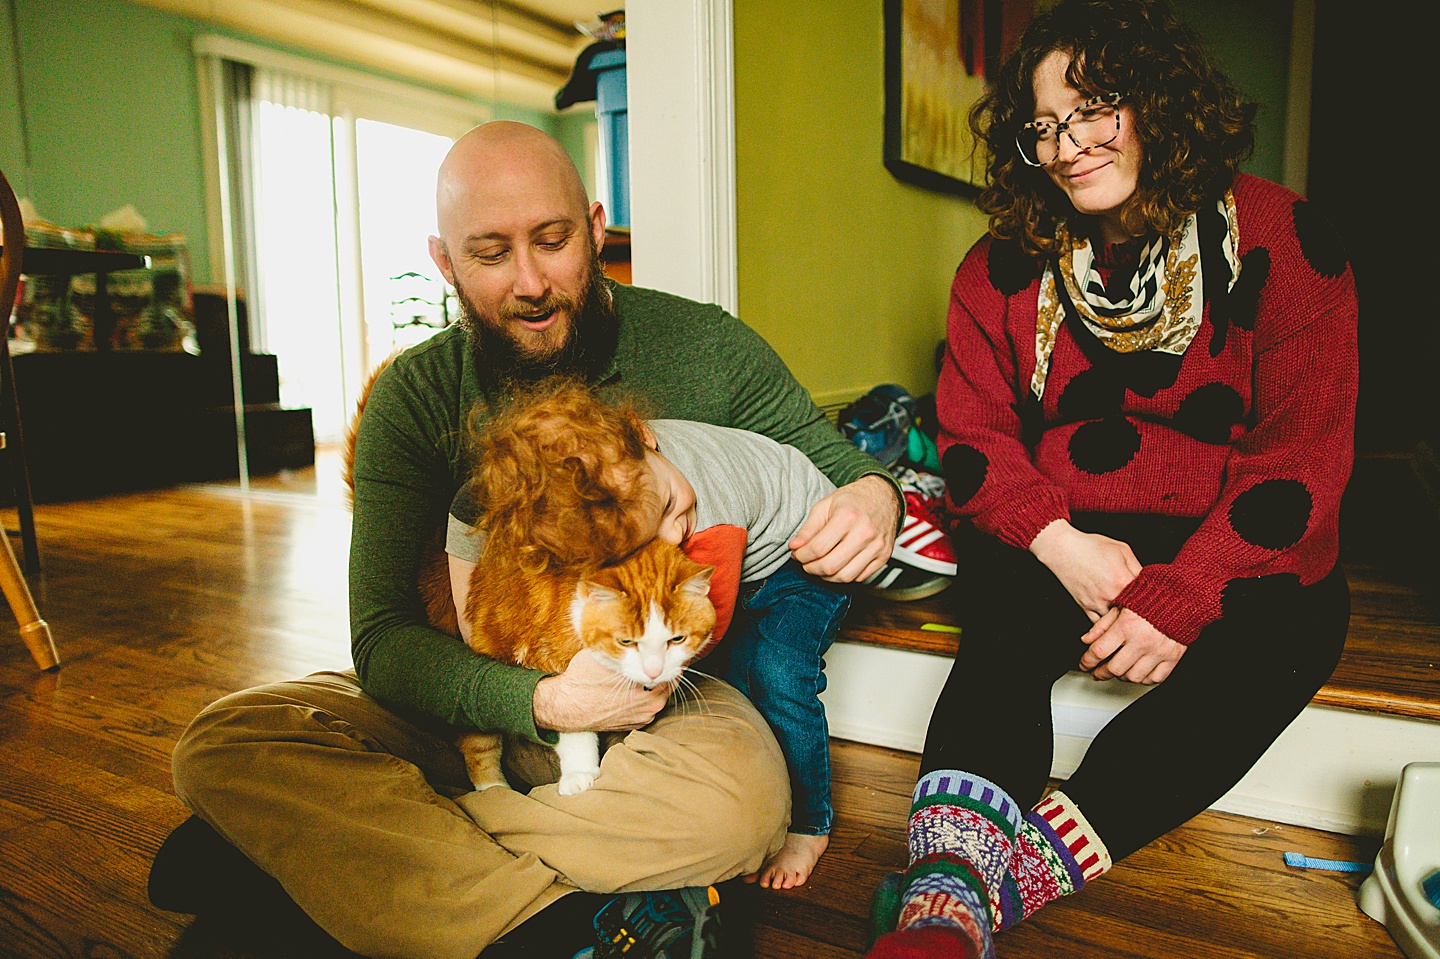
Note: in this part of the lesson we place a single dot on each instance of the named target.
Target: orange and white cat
(646, 617)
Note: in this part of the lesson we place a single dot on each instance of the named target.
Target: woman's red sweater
(1251, 429)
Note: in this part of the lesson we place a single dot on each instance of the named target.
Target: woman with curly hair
(1146, 408)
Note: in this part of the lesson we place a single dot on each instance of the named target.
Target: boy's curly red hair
(560, 478)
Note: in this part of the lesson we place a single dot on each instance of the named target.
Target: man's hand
(1094, 569)
(592, 697)
(1124, 645)
(849, 534)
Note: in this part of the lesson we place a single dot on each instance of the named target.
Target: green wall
(111, 103)
(111, 112)
(12, 150)
(843, 269)
(570, 128)
(846, 270)
(1250, 41)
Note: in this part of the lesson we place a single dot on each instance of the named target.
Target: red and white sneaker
(922, 542)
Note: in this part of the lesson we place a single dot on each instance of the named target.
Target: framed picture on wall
(937, 53)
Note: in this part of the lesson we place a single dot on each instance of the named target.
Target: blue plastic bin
(612, 115)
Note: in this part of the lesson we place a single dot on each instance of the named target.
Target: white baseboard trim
(1332, 769)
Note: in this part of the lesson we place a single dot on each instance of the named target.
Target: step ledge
(944, 644)
(1333, 768)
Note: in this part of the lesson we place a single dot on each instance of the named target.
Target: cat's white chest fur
(654, 657)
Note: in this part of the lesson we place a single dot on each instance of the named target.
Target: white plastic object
(1394, 894)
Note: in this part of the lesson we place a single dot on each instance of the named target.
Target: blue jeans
(773, 653)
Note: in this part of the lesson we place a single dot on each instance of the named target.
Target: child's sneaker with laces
(922, 541)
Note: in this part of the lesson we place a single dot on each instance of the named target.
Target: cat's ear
(595, 593)
(699, 584)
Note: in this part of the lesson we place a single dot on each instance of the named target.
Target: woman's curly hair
(1193, 124)
(559, 478)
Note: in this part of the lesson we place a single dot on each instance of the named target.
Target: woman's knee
(1276, 635)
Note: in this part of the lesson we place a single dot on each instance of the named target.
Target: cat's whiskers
(619, 685)
(687, 689)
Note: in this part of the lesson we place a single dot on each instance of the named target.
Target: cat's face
(647, 617)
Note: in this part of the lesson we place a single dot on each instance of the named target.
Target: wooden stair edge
(1372, 701)
(916, 641)
(901, 626)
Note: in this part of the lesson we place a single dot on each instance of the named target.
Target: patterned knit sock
(929, 942)
(1056, 852)
(961, 832)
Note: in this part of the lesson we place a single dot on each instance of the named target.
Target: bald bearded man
(345, 787)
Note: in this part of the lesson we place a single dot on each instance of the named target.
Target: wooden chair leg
(19, 465)
(33, 630)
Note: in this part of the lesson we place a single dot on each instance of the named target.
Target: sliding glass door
(344, 202)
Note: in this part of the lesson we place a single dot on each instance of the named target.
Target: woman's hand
(1124, 646)
(1094, 569)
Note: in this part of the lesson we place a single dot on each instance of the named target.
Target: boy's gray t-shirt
(740, 478)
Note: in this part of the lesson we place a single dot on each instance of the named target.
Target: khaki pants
(369, 822)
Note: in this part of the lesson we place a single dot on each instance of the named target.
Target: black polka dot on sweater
(1319, 241)
(1011, 268)
(1239, 306)
(1209, 411)
(1031, 414)
(1272, 514)
(1104, 446)
(965, 471)
(1248, 600)
(1244, 593)
(1091, 395)
(1147, 372)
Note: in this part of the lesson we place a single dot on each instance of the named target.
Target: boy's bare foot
(792, 865)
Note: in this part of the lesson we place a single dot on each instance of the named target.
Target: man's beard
(587, 349)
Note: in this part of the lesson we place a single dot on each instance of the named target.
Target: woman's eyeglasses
(1092, 124)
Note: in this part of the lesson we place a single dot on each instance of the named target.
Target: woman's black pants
(1171, 753)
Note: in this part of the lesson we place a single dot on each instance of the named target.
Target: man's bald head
(501, 165)
(520, 243)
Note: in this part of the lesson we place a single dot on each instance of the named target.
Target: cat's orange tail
(347, 471)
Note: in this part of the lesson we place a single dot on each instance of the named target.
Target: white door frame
(680, 74)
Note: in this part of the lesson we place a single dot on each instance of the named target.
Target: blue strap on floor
(1431, 885)
(1302, 861)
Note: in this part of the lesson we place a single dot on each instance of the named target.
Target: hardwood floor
(161, 602)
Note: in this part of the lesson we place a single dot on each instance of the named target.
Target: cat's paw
(480, 787)
(572, 784)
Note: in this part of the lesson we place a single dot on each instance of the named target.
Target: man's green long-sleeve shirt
(678, 358)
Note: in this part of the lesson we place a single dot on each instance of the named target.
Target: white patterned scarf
(1162, 308)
